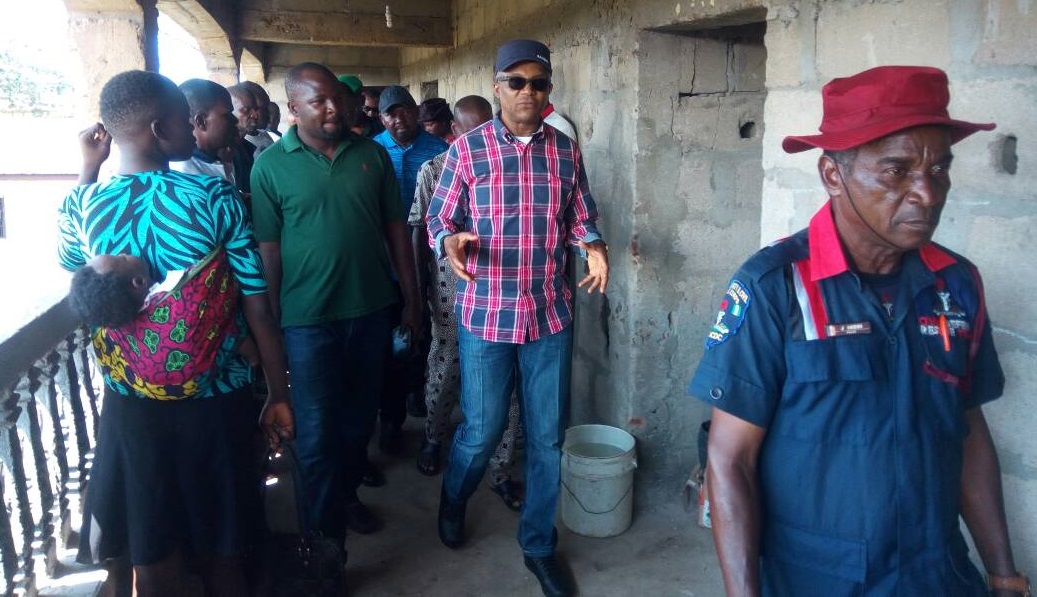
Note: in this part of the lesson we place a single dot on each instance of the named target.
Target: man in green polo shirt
(326, 209)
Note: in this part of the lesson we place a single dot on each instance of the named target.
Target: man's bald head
(241, 92)
(257, 90)
(262, 102)
(469, 112)
(302, 74)
(245, 109)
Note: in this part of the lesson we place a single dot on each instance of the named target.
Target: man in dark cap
(847, 366)
(409, 146)
(513, 197)
(434, 114)
(443, 384)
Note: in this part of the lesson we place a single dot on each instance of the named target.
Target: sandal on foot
(428, 458)
(510, 492)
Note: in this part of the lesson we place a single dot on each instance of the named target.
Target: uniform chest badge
(949, 320)
(730, 315)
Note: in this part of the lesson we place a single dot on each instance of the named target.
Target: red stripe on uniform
(817, 302)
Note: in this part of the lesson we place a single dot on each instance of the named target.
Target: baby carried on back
(166, 344)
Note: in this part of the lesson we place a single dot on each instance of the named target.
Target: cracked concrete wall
(987, 48)
(697, 214)
(681, 211)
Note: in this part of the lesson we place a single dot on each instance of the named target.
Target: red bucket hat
(881, 101)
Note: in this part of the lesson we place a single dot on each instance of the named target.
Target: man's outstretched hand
(597, 277)
(454, 247)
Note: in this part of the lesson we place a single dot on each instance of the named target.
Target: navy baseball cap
(522, 50)
(394, 95)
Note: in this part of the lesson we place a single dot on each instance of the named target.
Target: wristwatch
(1017, 584)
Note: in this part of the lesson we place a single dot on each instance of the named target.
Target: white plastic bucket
(598, 465)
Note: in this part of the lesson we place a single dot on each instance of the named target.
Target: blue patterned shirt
(407, 161)
(171, 220)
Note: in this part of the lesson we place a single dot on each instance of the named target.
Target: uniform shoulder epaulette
(776, 255)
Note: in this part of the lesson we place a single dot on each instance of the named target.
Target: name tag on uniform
(848, 329)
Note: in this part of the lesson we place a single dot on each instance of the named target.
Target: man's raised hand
(454, 247)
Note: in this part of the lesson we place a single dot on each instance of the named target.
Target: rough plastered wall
(108, 43)
(990, 54)
(635, 349)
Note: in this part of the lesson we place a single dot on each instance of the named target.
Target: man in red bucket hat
(846, 367)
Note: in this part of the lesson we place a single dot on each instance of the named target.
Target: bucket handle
(584, 508)
(629, 466)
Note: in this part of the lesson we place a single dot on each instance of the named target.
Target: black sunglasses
(517, 83)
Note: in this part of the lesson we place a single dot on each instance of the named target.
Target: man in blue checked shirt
(409, 146)
(512, 198)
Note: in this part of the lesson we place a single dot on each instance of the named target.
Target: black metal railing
(48, 424)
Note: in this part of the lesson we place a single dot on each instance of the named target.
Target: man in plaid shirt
(512, 197)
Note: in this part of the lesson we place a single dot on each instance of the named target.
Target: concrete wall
(679, 219)
(110, 38)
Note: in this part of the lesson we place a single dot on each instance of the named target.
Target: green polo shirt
(330, 217)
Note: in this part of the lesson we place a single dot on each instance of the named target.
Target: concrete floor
(663, 554)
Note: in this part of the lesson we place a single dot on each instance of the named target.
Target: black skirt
(168, 476)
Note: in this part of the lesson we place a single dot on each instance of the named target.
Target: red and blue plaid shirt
(526, 203)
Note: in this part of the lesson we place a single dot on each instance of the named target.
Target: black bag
(295, 563)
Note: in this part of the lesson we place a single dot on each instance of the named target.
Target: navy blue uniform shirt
(864, 406)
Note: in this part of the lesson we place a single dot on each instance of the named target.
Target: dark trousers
(336, 376)
(396, 380)
(403, 376)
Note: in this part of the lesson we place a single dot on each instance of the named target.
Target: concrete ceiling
(336, 26)
(260, 37)
(269, 31)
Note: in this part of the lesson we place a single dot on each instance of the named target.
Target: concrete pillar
(112, 37)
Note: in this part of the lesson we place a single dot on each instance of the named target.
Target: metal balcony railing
(48, 424)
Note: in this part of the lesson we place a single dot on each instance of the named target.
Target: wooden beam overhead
(344, 28)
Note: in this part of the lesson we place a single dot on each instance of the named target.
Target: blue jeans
(488, 376)
(336, 381)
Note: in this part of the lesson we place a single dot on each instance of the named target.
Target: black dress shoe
(451, 521)
(416, 405)
(554, 581)
(390, 439)
(373, 477)
(360, 519)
